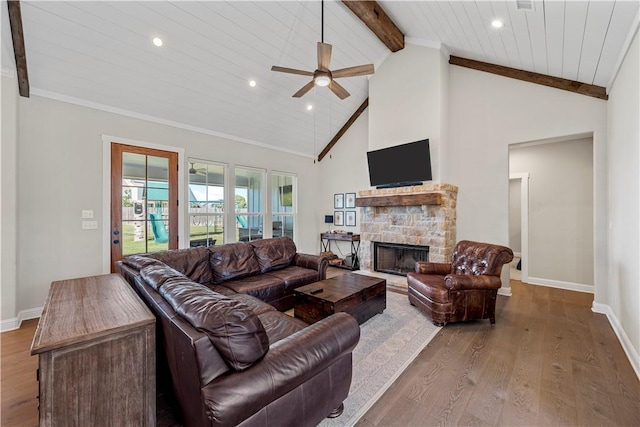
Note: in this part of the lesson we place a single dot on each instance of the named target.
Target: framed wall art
(350, 200)
(350, 219)
(338, 218)
(338, 201)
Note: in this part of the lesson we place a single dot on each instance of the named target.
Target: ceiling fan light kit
(323, 76)
(322, 79)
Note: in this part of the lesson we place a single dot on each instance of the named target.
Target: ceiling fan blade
(291, 71)
(306, 88)
(358, 70)
(338, 90)
(324, 56)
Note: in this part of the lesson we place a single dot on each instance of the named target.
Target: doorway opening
(552, 183)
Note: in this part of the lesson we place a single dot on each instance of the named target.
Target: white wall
(344, 170)
(60, 173)
(406, 97)
(8, 189)
(487, 113)
(619, 295)
(560, 210)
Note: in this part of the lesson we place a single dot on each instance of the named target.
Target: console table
(354, 239)
(95, 343)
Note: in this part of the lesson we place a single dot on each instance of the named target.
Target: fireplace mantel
(401, 200)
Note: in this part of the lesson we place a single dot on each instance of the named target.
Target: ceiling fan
(198, 171)
(323, 76)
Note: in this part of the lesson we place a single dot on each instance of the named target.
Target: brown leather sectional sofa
(233, 358)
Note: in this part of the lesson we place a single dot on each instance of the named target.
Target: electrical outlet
(89, 225)
(87, 214)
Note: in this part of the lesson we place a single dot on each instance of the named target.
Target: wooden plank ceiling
(100, 54)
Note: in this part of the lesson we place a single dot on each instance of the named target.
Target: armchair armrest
(312, 262)
(288, 364)
(439, 268)
(464, 282)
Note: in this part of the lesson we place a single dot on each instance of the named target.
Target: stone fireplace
(421, 215)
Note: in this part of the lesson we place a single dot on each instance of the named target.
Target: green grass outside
(129, 246)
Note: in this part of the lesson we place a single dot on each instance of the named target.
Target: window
(206, 203)
(283, 205)
(249, 201)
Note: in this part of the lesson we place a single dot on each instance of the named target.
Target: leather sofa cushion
(253, 303)
(274, 253)
(294, 277)
(279, 325)
(232, 327)
(156, 275)
(232, 261)
(192, 262)
(139, 262)
(262, 286)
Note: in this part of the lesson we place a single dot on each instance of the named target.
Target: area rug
(388, 344)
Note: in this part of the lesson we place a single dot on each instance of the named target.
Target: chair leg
(492, 319)
(336, 412)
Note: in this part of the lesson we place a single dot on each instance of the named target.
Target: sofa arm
(464, 282)
(288, 364)
(312, 262)
(439, 268)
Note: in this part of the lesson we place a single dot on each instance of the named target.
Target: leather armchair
(465, 289)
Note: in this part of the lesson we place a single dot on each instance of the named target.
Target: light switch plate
(89, 225)
(87, 214)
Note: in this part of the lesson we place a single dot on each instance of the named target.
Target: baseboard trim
(505, 291)
(570, 286)
(15, 322)
(632, 353)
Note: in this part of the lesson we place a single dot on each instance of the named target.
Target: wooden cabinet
(95, 343)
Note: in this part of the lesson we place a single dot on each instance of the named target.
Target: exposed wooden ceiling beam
(15, 19)
(342, 130)
(374, 17)
(528, 76)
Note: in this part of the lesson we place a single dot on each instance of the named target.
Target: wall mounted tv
(405, 164)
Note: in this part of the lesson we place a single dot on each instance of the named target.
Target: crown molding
(132, 114)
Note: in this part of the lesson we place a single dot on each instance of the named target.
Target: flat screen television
(405, 164)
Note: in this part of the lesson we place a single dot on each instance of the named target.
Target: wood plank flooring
(549, 360)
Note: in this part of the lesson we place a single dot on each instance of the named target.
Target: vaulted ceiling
(101, 54)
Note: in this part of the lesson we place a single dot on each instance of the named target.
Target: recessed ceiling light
(157, 41)
(309, 107)
(252, 83)
(496, 23)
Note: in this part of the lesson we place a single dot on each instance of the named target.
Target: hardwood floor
(18, 384)
(548, 361)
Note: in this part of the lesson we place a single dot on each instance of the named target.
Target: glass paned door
(144, 201)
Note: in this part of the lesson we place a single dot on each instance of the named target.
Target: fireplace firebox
(396, 258)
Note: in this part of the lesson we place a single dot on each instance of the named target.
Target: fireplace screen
(397, 259)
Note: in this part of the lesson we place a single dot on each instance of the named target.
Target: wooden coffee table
(360, 296)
